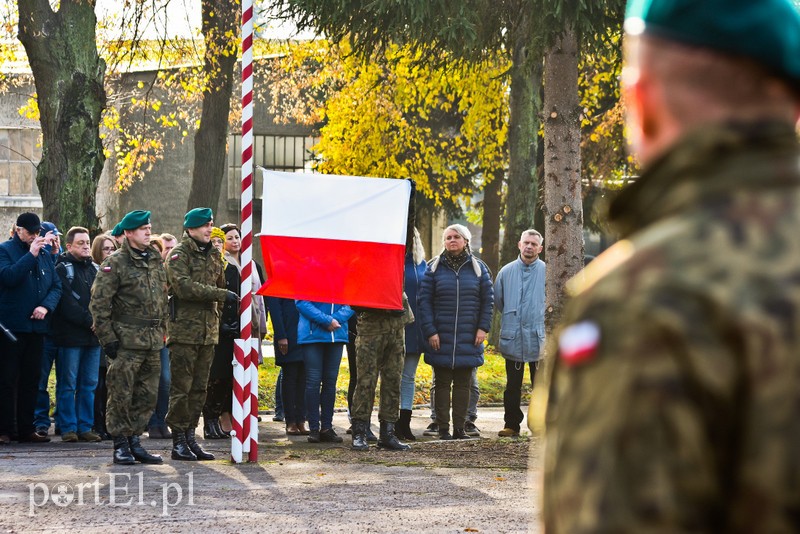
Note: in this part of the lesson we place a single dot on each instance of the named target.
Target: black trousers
(459, 379)
(512, 396)
(219, 391)
(351, 364)
(293, 391)
(101, 397)
(20, 367)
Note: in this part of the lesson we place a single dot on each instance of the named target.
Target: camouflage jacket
(129, 299)
(674, 393)
(197, 283)
(373, 321)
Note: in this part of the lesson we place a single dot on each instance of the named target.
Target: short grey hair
(531, 231)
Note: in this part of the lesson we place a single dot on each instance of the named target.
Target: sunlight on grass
(491, 380)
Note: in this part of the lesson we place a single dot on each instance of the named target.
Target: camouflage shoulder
(176, 253)
(649, 249)
(109, 265)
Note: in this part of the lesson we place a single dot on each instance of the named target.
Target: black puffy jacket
(72, 321)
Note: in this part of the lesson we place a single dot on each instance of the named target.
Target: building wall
(17, 194)
(165, 189)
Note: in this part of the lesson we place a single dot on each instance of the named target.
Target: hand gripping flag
(337, 239)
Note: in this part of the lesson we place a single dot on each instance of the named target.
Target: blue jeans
(77, 369)
(407, 382)
(162, 403)
(322, 361)
(41, 413)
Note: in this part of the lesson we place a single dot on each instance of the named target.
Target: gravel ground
(482, 485)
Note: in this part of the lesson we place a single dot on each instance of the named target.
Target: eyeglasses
(109, 249)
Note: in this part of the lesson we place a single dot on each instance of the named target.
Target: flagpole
(244, 438)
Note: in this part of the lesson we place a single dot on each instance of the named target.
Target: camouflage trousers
(190, 366)
(378, 355)
(132, 382)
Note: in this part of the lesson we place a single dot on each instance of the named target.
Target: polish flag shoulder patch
(578, 343)
(174, 257)
(106, 269)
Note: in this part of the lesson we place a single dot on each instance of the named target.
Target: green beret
(197, 217)
(134, 219)
(767, 31)
(116, 231)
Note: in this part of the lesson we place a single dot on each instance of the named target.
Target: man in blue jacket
(519, 297)
(29, 291)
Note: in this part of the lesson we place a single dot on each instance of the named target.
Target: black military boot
(387, 439)
(210, 430)
(372, 438)
(360, 436)
(460, 433)
(141, 454)
(403, 427)
(122, 451)
(180, 449)
(196, 448)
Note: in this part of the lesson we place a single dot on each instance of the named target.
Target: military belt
(195, 305)
(138, 321)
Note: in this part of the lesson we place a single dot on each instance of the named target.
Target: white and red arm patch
(578, 343)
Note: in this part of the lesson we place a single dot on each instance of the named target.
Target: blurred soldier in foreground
(129, 307)
(674, 401)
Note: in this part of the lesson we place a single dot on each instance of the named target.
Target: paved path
(293, 488)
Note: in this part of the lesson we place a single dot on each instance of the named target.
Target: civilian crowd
(141, 327)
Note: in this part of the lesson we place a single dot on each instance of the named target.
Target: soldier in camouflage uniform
(674, 396)
(380, 345)
(129, 308)
(197, 283)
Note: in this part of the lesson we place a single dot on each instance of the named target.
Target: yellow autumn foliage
(444, 126)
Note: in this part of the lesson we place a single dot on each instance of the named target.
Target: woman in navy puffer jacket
(455, 314)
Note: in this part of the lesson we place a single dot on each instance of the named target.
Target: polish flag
(338, 239)
(578, 343)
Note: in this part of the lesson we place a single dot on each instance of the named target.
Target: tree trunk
(68, 74)
(220, 31)
(523, 130)
(492, 210)
(563, 211)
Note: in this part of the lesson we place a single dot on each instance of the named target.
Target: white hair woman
(455, 314)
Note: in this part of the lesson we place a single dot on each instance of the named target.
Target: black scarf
(454, 261)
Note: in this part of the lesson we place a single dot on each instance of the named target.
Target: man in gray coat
(519, 297)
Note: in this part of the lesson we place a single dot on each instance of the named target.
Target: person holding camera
(29, 293)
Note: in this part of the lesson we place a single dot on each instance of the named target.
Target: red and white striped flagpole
(245, 404)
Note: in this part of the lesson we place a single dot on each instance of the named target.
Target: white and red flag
(337, 239)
